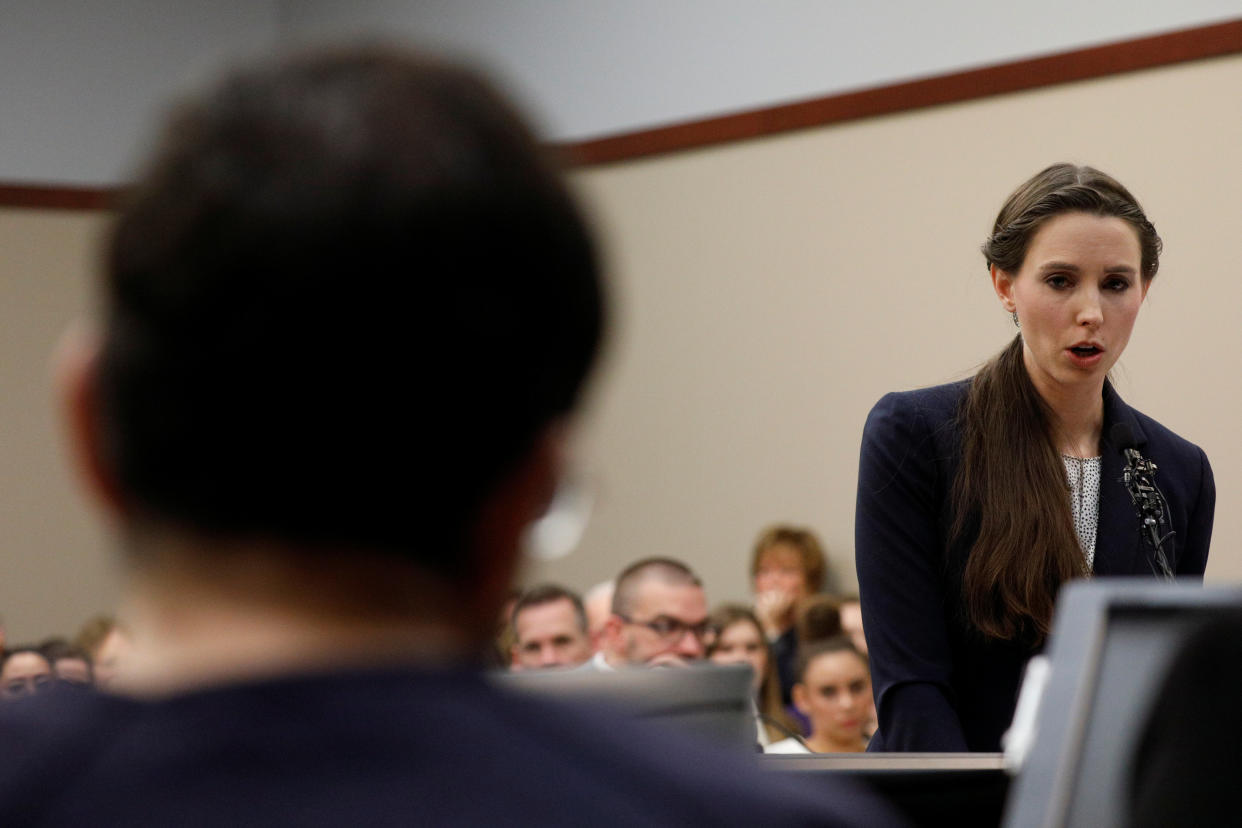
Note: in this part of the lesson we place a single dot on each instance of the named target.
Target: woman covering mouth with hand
(977, 500)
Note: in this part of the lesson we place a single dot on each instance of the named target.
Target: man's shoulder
(383, 749)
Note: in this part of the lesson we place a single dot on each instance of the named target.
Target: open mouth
(1085, 350)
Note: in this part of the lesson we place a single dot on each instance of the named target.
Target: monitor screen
(1112, 641)
(706, 699)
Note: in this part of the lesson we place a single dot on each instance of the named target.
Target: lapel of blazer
(1118, 547)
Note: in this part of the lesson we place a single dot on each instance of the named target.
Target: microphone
(1138, 477)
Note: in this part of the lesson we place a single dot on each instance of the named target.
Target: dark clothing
(376, 749)
(785, 654)
(1185, 767)
(940, 686)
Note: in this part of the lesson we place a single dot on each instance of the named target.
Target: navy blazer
(939, 685)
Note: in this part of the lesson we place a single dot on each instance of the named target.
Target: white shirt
(790, 745)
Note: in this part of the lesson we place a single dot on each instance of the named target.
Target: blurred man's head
(659, 615)
(347, 305)
(550, 629)
(598, 605)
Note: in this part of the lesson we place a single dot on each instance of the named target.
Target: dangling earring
(1016, 323)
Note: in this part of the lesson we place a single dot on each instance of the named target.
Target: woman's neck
(1077, 413)
(200, 619)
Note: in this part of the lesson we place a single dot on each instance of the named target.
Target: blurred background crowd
(801, 636)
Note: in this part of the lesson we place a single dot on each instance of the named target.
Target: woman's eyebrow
(1070, 267)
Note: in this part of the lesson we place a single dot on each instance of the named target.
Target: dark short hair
(666, 570)
(818, 617)
(837, 644)
(342, 300)
(54, 649)
(19, 650)
(546, 594)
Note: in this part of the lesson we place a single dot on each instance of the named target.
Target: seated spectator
(24, 672)
(347, 312)
(737, 638)
(659, 617)
(498, 654)
(851, 621)
(818, 618)
(549, 629)
(598, 605)
(786, 566)
(106, 644)
(92, 633)
(111, 655)
(69, 664)
(834, 693)
(822, 617)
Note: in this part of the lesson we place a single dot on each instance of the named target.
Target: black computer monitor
(710, 700)
(1111, 645)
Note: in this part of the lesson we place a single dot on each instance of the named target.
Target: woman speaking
(977, 500)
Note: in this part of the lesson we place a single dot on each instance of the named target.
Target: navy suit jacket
(939, 685)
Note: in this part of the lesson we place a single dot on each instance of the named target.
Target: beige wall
(56, 569)
(768, 293)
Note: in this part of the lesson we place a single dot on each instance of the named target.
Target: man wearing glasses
(659, 617)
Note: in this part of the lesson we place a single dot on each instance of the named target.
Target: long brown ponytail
(1011, 478)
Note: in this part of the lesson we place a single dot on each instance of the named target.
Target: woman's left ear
(1002, 283)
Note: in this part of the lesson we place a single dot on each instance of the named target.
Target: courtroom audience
(851, 621)
(787, 565)
(498, 653)
(92, 633)
(818, 618)
(659, 617)
(111, 655)
(24, 672)
(69, 663)
(597, 601)
(834, 693)
(737, 638)
(549, 629)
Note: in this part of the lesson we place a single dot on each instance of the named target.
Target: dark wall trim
(56, 198)
(1081, 64)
